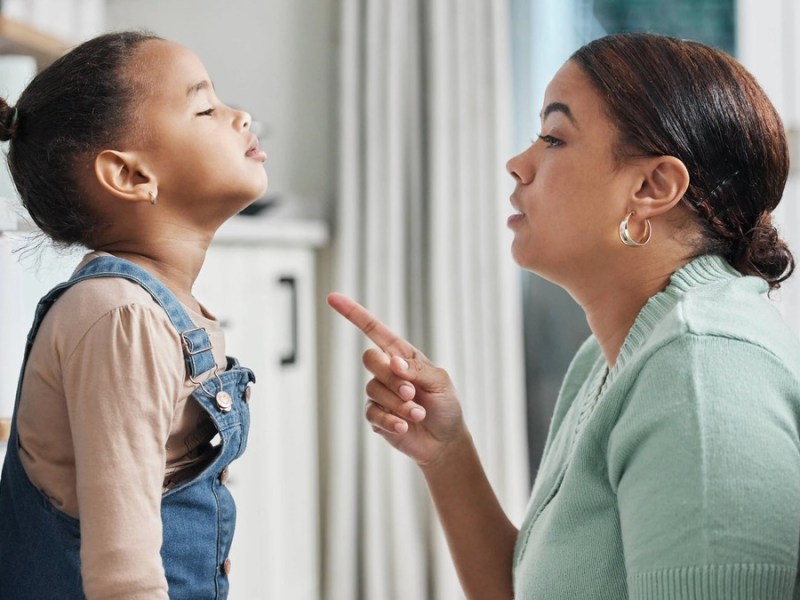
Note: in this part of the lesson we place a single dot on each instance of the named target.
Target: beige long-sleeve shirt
(106, 425)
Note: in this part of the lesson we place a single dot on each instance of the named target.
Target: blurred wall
(767, 43)
(274, 58)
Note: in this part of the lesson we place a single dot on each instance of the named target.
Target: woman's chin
(518, 253)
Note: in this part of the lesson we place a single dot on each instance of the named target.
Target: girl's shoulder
(105, 312)
(91, 299)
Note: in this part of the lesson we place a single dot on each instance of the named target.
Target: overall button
(223, 477)
(224, 401)
(247, 393)
(226, 566)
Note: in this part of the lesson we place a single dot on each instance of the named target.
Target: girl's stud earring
(153, 197)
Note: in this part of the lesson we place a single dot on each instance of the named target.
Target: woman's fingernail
(401, 427)
(417, 413)
(402, 364)
(407, 391)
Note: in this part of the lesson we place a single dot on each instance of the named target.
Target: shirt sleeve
(705, 461)
(121, 383)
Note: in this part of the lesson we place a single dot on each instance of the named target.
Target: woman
(671, 469)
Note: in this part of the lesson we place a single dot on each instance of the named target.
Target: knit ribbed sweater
(676, 473)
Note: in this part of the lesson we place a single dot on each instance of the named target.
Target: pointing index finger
(371, 326)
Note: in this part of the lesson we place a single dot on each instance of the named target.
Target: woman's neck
(612, 310)
(610, 319)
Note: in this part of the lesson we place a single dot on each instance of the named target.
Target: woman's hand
(412, 403)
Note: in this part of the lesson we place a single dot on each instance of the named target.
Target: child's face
(201, 151)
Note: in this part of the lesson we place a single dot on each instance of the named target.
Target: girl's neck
(175, 265)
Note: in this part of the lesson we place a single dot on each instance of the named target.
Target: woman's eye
(550, 140)
(205, 113)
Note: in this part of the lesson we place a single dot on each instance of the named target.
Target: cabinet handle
(291, 357)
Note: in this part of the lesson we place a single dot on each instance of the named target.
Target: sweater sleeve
(704, 459)
(121, 382)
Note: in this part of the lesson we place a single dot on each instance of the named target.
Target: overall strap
(196, 344)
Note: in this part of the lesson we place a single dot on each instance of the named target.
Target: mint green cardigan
(677, 473)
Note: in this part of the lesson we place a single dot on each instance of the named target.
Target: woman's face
(202, 151)
(570, 193)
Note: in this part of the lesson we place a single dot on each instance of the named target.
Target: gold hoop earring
(153, 197)
(625, 236)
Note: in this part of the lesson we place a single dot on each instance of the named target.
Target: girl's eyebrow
(558, 107)
(199, 86)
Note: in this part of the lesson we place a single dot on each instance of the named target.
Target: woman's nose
(518, 169)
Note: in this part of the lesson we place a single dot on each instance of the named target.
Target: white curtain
(419, 238)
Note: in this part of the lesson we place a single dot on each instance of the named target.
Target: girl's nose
(244, 118)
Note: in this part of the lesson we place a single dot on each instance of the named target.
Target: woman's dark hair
(73, 109)
(670, 97)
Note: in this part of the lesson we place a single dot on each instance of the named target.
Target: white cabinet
(264, 296)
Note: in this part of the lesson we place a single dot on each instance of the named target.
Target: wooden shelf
(19, 38)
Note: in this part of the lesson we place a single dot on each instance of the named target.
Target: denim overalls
(40, 545)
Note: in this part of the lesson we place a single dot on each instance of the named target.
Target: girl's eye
(205, 113)
(550, 140)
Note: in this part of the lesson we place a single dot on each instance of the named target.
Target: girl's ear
(124, 176)
(662, 185)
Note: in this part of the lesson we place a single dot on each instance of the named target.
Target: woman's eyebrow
(558, 107)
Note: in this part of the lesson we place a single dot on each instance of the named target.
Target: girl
(128, 410)
(672, 465)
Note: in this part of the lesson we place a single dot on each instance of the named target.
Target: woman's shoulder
(714, 340)
(739, 310)
(708, 303)
(725, 343)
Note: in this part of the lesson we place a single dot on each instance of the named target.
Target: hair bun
(766, 255)
(8, 121)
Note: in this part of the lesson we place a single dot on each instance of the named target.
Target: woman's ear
(663, 183)
(124, 176)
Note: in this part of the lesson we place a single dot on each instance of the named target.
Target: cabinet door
(264, 298)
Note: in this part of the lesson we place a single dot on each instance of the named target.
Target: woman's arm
(414, 406)
(479, 534)
(705, 464)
